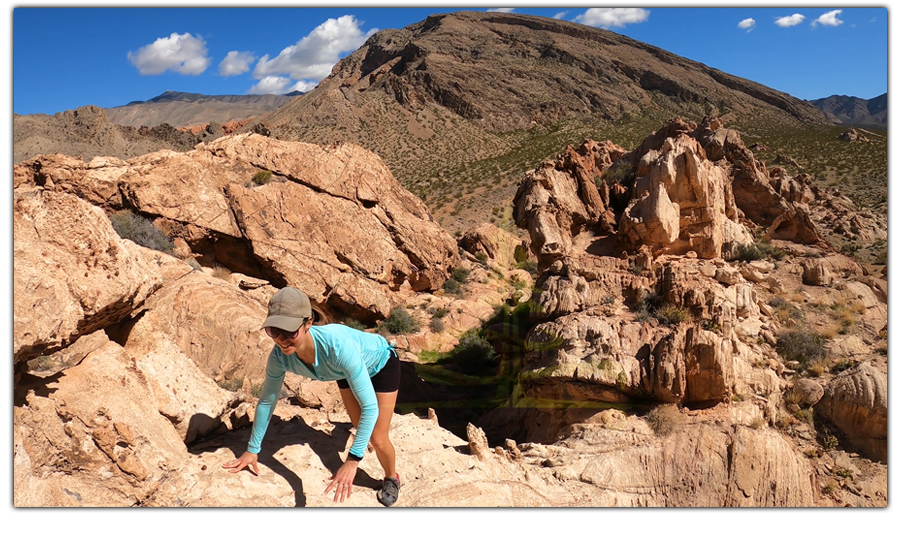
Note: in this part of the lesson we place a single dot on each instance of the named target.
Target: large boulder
(212, 321)
(73, 275)
(856, 402)
(110, 430)
(332, 220)
(682, 202)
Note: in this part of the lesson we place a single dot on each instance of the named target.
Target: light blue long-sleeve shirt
(341, 353)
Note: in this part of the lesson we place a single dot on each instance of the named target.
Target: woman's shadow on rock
(283, 433)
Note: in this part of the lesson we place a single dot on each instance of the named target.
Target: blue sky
(64, 58)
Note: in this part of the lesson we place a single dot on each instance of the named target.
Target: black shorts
(386, 380)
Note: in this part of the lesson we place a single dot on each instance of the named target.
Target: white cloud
(605, 17)
(313, 56)
(787, 22)
(271, 85)
(303, 86)
(236, 63)
(181, 53)
(560, 15)
(747, 24)
(501, 10)
(829, 19)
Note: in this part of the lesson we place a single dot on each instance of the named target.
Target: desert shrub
(262, 177)
(232, 385)
(805, 347)
(399, 322)
(769, 250)
(439, 312)
(481, 257)
(222, 272)
(664, 419)
(673, 314)
(829, 441)
(436, 325)
(474, 355)
(748, 251)
(528, 265)
(355, 324)
(460, 275)
(140, 230)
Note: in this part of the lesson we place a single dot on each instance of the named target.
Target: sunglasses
(275, 333)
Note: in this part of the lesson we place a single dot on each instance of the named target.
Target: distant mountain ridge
(854, 111)
(181, 109)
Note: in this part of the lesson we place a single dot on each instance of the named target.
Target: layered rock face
(644, 298)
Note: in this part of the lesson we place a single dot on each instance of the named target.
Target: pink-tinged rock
(856, 402)
(73, 275)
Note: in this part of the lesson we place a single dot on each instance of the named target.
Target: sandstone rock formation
(121, 395)
(853, 135)
(333, 222)
(661, 309)
(73, 275)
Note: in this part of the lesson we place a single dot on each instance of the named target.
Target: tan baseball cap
(288, 308)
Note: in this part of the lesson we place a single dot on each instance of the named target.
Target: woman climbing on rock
(367, 372)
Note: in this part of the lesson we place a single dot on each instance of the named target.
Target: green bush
(474, 355)
(460, 275)
(452, 286)
(140, 230)
(805, 347)
(673, 314)
(748, 252)
(262, 177)
(400, 322)
(439, 312)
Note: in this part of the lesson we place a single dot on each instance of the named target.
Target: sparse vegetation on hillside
(803, 347)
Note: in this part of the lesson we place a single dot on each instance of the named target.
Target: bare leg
(380, 440)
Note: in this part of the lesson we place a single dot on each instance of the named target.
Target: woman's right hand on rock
(247, 460)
